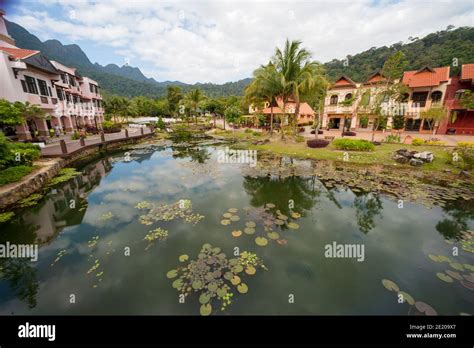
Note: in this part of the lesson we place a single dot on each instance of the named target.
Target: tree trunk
(297, 113)
(281, 122)
(223, 118)
(271, 120)
(214, 120)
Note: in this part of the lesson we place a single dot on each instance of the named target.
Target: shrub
(75, 135)
(353, 145)
(160, 124)
(467, 155)
(435, 143)
(14, 174)
(256, 134)
(299, 139)
(315, 143)
(465, 144)
(417, 142)
(15, 154)
(301, 129)
(392, 138)
(248, 130)
(349, 134)
(111, 127)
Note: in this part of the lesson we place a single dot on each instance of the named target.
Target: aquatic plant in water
(167, 212)
(268, 217)
(30, 201)
(64, 175)
(416, 307)
(214, 277)
(59, 256)
(459, 272)
(4, 217)
(106, 216)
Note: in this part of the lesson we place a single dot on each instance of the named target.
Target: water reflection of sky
(397, 243)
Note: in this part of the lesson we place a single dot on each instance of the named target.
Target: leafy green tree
(174, 95)
(232, 114)
(398, 122)
(433, 116)
(265, 87)
(193, 98)
(299, 75)
(467, 100)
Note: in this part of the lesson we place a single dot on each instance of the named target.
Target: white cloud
(226, 40)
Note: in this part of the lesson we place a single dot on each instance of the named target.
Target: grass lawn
(382, 154)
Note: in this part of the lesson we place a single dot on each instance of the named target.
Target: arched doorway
(87, 122)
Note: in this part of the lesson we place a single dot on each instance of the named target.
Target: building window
(91, 87)
(72, 80)
(23, 85)
(63, 78)
(333, 100)
(348, 96)
(59, 92)
(458, 94)
(436, 97)
(43, 87)
(31, 85)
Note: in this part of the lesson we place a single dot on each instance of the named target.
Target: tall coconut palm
(300, 75)
(266, 86)
(194, 97)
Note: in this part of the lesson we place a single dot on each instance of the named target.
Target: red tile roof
(18, 53)
(467, 72)
(344, 81)
(305, 109)
(426, 77)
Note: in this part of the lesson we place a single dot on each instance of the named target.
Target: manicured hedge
(13, 174)
(353, 145)
(315, 143)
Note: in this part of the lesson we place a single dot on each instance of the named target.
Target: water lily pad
(221, 292)
(293, 225)
(184, 258)
(238, 268)
(250, 270)
(172, 274)
(407, 298)
(295, 215)
(457, 266)
(467, 285)
(273, 235)
(389, 285)
(242, 288)
(177, 283)
(206, 246)
(237, 233)
(469, 267)
(279, 222)
(249, 230)
(212, 287)
(235, 280)
(469, 277)
(444, 277)
(425, 308)
(204, 298)
(261, 241)
(455, 275)
(443, 258)
(234, 218)
(225, 222)
(270, 205)
(227, 215)
(250, 224)
(232, 210)
(196, 285)
(434, 258)
(205, 309)
(282, 217)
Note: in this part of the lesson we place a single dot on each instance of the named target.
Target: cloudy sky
(220, 41)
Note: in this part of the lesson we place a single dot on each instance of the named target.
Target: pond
(167, 229)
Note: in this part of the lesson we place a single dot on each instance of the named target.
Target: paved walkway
(54, 149)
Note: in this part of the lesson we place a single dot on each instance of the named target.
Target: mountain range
(436, 49)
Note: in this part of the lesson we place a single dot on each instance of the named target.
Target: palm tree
(266, 86)
(194, 97)
(299, 75)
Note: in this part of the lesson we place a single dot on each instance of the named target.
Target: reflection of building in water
(66, 205)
